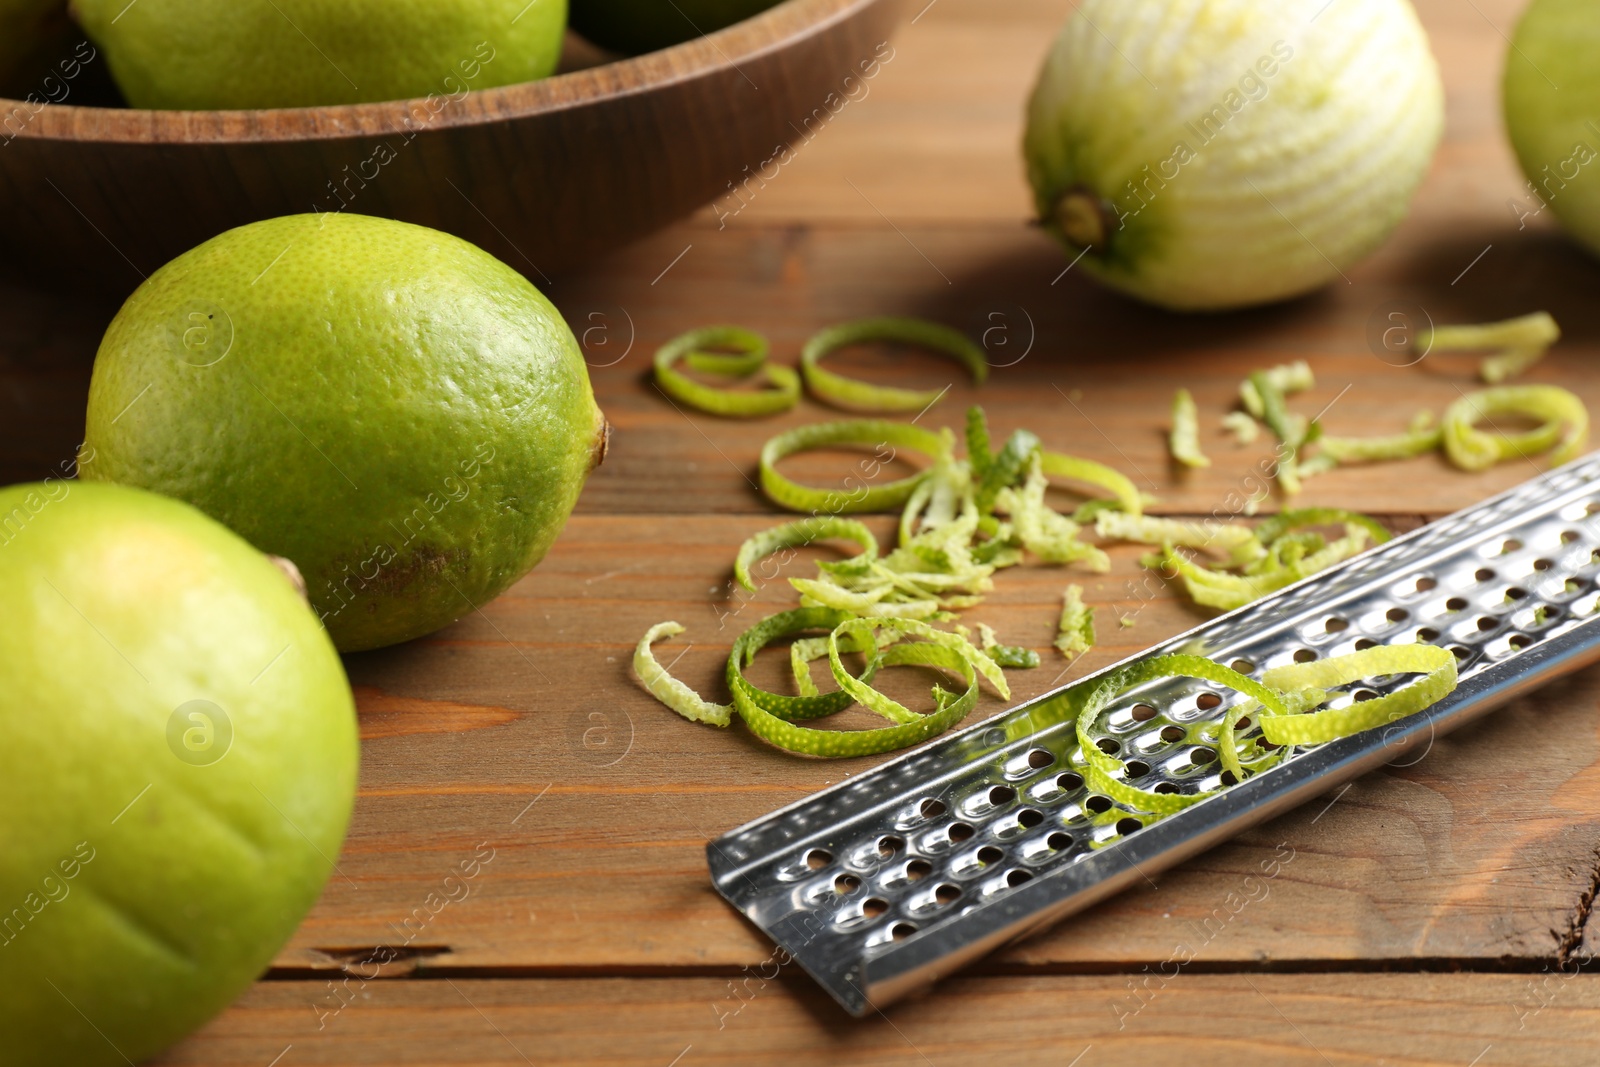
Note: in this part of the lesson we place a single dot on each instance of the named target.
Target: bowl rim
(773, 30)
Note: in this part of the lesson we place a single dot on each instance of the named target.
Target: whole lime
(178, 772)
(393, 409)
(1209, 154)
(221, 54)
(1552, 103)
(636, 26)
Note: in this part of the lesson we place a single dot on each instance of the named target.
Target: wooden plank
(1473, 853)
(1419, 1020)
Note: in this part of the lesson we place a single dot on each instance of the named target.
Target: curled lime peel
(799, 533)
(752, 358)
(859, 433)
(862, 396)
(1564, 426)
(669, 690)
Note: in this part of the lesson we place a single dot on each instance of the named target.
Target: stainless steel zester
(894, 878)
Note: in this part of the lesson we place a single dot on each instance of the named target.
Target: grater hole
(1460, 653)
(888, 846)
(1593, 508)
(901, 931)
(1336, 625)
(1594, 557)
(949, 894)
(1515, 593)
(1108, 745)
(873, 907)
(1059, 841)
(1202, 756)
(846, 884)
(1129, 825)
(818, 858)
(1486, 624)
(1519, 641)
(1365, 694)
(1511, 545)
(1039, 759)
(1137, 768)
(1142, 713)
(994, 738)
(1572, 586)
(1397, 615)
(1455, 603)
(1542, 564)
(1016, 878)
(1427, 634)
(1243, 666)
(1098, 804)
(1569, 536)
(1002, 794)
(1028, 818)
(1426, 584)
(1364, 643)
(1484, 574)
(1069, 781)
(1304, 655)
(960, 831)
(1207, 701)
(1173, 733)
(1242, 724)
(989, 854)
(1165, 787)
(1229, 779)
(917, 870)
(932, 809)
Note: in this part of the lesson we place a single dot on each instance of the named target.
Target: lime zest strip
(1075, 631)
(870, 433)
(1097, 474)
(751, 359)
(1184, 440)
(799, 533)
(1522, 343)
(1436, 665)
(862, 396)
(1565, 425)
(669, 690)
(1244, 428)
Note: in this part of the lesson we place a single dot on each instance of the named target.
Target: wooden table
(1430, 914)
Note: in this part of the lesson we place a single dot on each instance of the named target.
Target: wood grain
(1344, 1020)
(519, 729)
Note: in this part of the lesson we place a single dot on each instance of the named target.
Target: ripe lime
(1206, 154)
(393, 409)
(201, 54)
(1552, 101)
(178, 772)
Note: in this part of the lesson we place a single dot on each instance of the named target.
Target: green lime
(398, 412)
(222, 54)
(636, 26)
(178, 772)
(1552, 103)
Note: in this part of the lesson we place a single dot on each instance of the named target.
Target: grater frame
(893, 878)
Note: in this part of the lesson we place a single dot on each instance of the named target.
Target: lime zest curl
(862, 396)
(1565, 426)
(1522, 343)
(800, 533)
(750, 359)
(869, 433)
(669, 690)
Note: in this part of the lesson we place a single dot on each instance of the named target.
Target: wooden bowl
(546, 175)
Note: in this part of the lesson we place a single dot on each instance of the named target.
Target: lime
(635, 26)
(178, 772)
(1208, 154)
(393, 409)
(1552, 102)
(221, 54)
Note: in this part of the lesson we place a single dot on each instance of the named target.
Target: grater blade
(889, 880)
